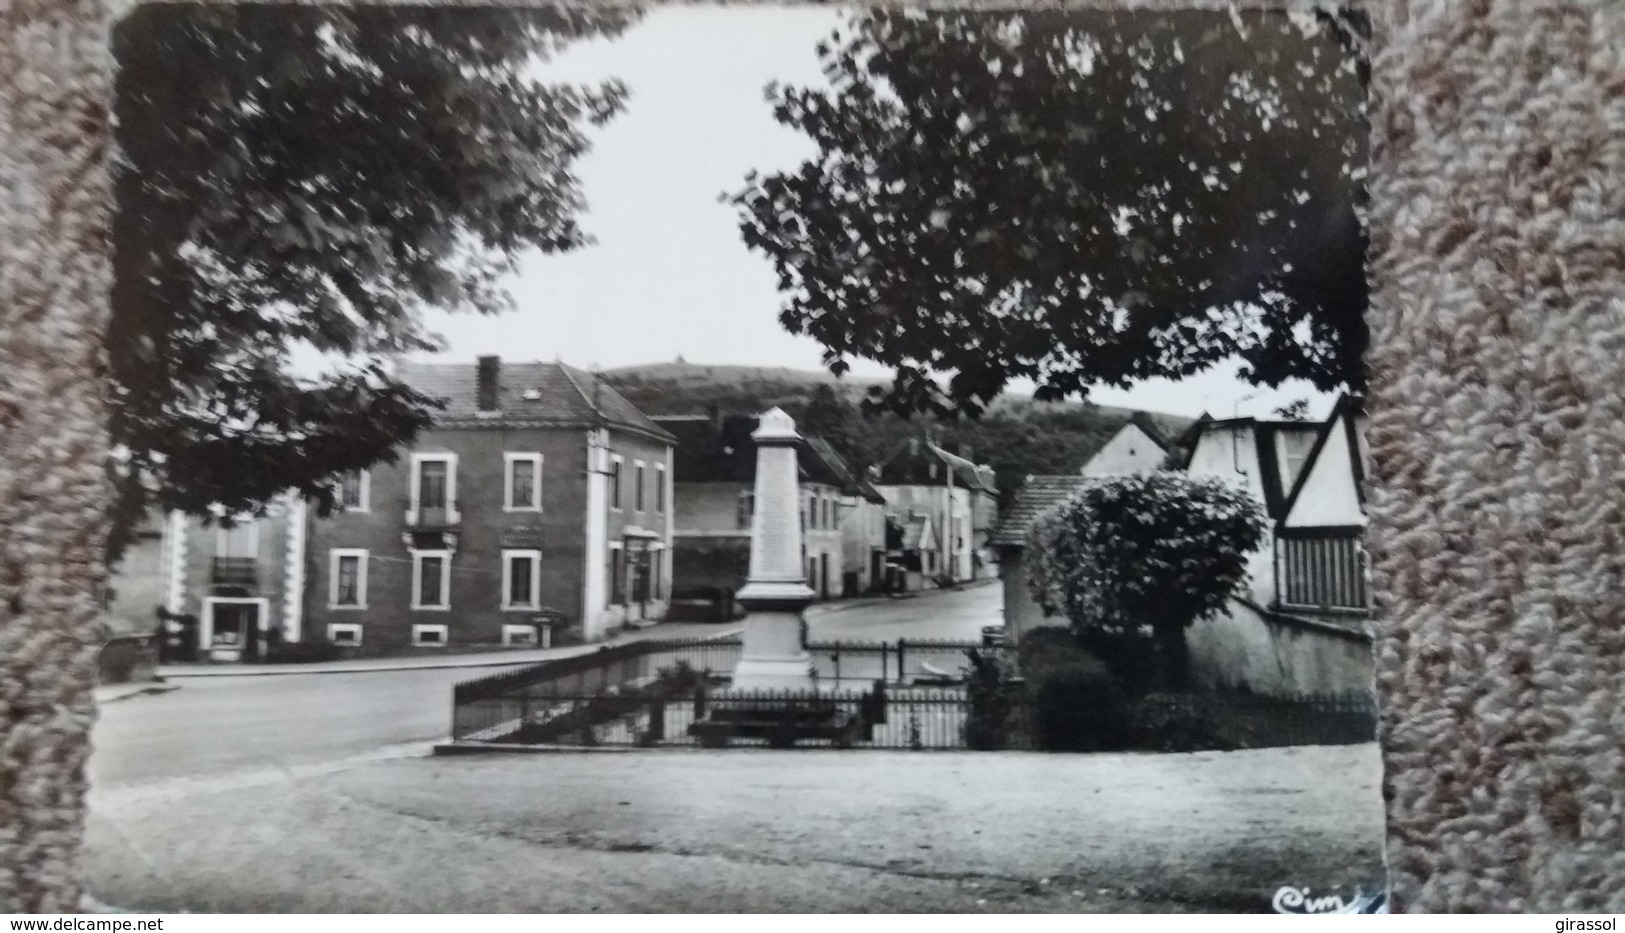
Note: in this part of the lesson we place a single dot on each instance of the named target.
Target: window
(344, 633)
(637, 490)
(429, 636)
(434, 483)
(355, 491)
(431, 579)
(1295, 446)
(660, 488)
(615, 465)
(1323, 571)
(522, 489)
(514, 636)
(348, 579)
(521, 579)
(745, 510)
(617, 576)
(242, 540)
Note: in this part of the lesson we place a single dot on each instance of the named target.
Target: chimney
(489, 370)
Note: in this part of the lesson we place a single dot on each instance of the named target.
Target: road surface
(948, 614)
(219, 725)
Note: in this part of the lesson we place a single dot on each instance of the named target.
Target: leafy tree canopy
(1150, 552)
(316, 177)
(1074, 198)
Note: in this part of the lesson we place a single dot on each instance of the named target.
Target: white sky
(669, 274)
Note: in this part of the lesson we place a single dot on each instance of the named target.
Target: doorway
(233, 628)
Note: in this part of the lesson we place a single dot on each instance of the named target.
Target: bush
(1143, 557)
(988, 722)
(679, 678)
(1077, 705)
(1176, 727)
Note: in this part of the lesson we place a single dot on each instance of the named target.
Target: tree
(833, 418)
(316, 178)
(1130, 558)
(1073, 198)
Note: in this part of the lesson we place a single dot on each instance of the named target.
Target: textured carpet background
(1498, 439)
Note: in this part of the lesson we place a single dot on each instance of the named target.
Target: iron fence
(917, 719)
(924, 662)
(900, 695)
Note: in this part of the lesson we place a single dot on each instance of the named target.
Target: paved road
(955, 614)
(216, 725)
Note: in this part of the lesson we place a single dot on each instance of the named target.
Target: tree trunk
(54, 495)
(1175, 656)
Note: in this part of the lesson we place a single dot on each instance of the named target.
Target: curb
(457, 749)
(144, 691)
(440, 665)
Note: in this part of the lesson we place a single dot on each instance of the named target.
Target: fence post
(837, 664)
(885, 651)
(657, 721)
(902, 672)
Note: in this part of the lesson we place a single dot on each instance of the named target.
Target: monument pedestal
(775, 651)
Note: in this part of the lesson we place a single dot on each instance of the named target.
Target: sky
(669, 275)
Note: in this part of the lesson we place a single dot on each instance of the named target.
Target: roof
(721, 450)
(1040, 494)
(904, 467)
(552, 393)
(852, 482)
(1277, 499)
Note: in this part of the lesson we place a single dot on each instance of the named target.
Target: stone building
(538, 506)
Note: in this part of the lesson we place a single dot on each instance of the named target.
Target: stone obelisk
(776, 592)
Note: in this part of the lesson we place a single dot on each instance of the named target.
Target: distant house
(959, 498)
(1137, 447)
(1037, 495)
(714, 489)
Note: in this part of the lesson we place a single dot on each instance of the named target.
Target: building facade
(231, 592)
(537, 508)
(957, 497)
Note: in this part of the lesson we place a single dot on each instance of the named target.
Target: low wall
(1270, 654)
(127, 659)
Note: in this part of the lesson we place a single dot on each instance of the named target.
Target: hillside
(1016, 436)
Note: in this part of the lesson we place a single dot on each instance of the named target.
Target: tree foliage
(316, 178)
(1073, 198)
(1129, 556)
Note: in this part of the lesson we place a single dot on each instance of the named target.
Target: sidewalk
(422, 663)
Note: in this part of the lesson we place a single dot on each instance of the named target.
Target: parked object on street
(126, 659)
